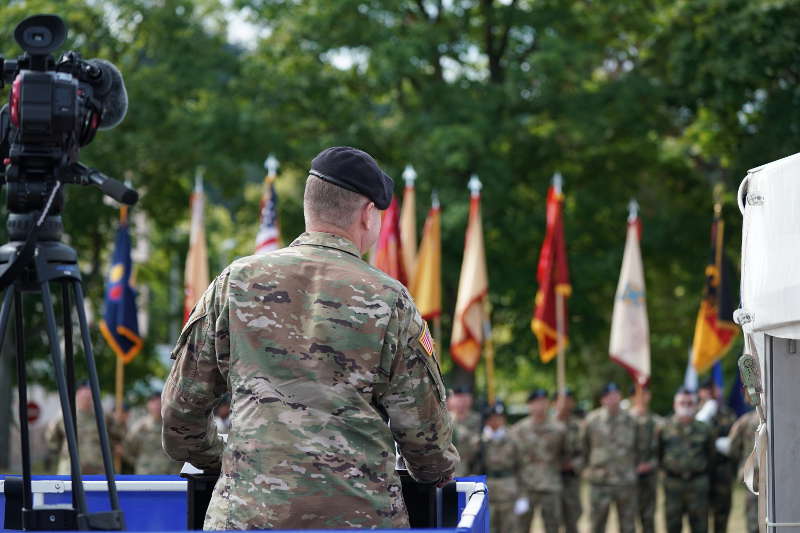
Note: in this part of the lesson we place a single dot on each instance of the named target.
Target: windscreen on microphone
(110, 90)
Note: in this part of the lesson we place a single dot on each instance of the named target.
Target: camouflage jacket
(612, 447)
(143, 449)
(499, 460)
(743, 438)
(686, 449)
(574, 454)
(543, 450)
(649, 426)
(328, 363)
(466, 435)
(89, 450)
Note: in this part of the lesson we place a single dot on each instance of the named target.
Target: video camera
(55, 108)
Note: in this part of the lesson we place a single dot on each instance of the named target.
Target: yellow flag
(470, 317)
(408, 230)
(426, 284)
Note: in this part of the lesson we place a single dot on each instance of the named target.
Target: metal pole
(561, 364)
(22, 393)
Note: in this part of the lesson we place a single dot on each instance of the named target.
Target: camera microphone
(110, 90)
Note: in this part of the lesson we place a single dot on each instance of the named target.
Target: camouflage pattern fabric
(543, 451)
(647, 484)
(622, 496)
(143, 448)
(325, 362)
(89, 449)
(686, 452)
(742, 439)
(612, 449)
(499, 461)
(723, 471)
(466, 435)
(571, 508)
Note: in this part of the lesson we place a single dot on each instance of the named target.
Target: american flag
(269, 233)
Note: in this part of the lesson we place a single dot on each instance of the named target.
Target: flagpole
(561, 363)
(119, 392)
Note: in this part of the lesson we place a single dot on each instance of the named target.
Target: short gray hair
(327, 203)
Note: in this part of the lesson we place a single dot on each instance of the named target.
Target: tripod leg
(108, 463)
(22, 390)
(69, 423)
(69, 365)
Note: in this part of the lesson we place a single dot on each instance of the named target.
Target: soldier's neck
(349, 234)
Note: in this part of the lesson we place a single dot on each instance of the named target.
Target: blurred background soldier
(742, 439)
(466, 428)
(571, 508)
(88, 438)
(222, 415)
(647, 483)
(117, 431)
(541, 443)
(714, 412)
(611, 447)
(143, 444)
(686, 454)
(498, 459)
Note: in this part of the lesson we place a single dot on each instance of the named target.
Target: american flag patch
(426, 340)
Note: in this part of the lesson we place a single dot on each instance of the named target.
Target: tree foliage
(654, 100)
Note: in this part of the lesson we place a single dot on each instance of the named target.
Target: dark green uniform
(647, 483)
(723, 471)
(686, 453)
(743, 435)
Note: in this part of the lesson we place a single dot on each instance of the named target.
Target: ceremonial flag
(469, 319)
(630, 332)
(408, 224)
(388, 254)
(736, 399)
(426, 284)
(120, 325)
(269, 232)
(714, 330)
(195, 280)
(552, 275)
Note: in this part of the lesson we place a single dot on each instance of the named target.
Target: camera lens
(37, 37)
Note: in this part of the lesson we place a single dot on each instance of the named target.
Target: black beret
(684, 390)
(154, 394)
(610, 387)
(462, 389)
(707, 383)
(356, 171)
(498, 408)
(538, 393)
(566, 392)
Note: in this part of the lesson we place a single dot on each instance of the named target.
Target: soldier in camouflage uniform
(466, 428)
(571, 508)
(329, 364)
(647, 482)
(143, 444)
(686, 455)
(498, 459)
(542, 447)
(89, 449)
(721, 418)
(742, 440)
(612, 450)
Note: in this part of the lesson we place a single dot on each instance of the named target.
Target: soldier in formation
(742, 439)
(466, 428)
(143, 447)
(329, 365)
(648, 425)
(571, 508)
(498, 459)
(541, 442)
(686, 454)
(713, 411)
(89, 449)
(612, 450)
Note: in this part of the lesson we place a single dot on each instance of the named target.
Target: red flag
(553, 277)
(388, 254)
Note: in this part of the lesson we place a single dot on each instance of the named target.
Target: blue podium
(159, 503)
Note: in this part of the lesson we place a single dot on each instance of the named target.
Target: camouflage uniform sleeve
(197, 381)
(736, 437)
(414, 399)
(55, 437)
(132, 444)
(575, 449)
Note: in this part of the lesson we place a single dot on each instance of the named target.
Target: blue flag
(120, 325)
(736, 399)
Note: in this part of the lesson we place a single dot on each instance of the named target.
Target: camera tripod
(54, 261)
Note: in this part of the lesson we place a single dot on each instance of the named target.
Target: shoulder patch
(426, 340)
